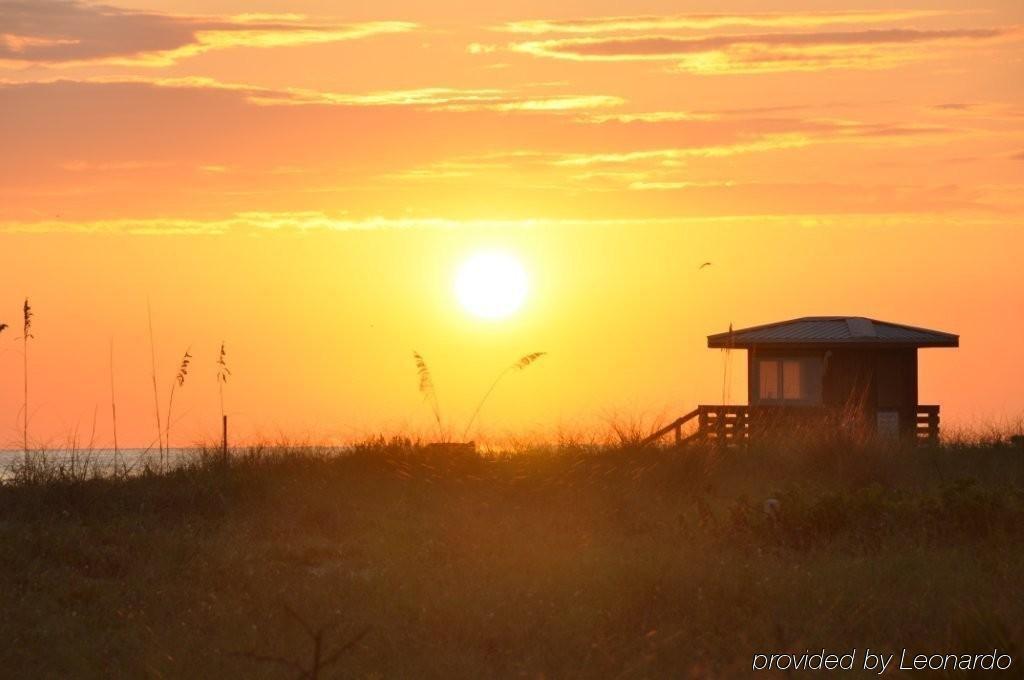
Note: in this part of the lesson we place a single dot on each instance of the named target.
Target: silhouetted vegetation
(575, 560)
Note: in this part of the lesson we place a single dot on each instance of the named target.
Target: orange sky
(302, 179)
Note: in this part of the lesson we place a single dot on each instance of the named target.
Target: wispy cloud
(300, 221)
(457, 169)
(806, 132)
(315, 221)
(704, 115)
(662, 47)
(770, 52)
(598, 25)
(560, 103)
(651, 117)
(764, 143)
(429, 98)
(657, 168)
(72, 31)
(118, 166)
(980, 111)
(641, 185)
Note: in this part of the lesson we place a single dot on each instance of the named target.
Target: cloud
(704, 115)
(805, 133)
(641, 185)
(316, 221)
(769, 52)
(560, 103)
(119, 166)
(296, 221)
(991, 111)
(440, 98)
(651, 117)
(598, 25)
(662, 47)
(190, 146)
(630, 160)
(72, 31)
(450, 99)
(428, 98)
(335, 138)
(461, 168)
(761, 144)
(630, 169)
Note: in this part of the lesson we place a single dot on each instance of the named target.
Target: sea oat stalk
(222, 379)
(427, 390)
(223, 373)
(519, 365)
(26, 334)
(113, 402)
(179, 381)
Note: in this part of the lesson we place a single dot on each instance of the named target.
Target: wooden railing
(730, 425)
(723, 424)
(675, 426)
(926, 429)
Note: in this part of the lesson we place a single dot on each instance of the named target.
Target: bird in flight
(706, 264)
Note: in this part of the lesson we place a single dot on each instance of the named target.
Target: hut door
(888, 424)
(895, 392)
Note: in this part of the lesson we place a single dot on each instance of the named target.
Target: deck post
(720, 427)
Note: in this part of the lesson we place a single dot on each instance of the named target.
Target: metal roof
(827, 331)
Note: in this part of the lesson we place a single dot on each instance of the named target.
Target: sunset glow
(308, 185)
(554, 339)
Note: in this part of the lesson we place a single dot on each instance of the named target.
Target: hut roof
(831, 331)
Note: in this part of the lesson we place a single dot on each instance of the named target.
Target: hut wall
(855, 384)
(858, 383)
(781, 417)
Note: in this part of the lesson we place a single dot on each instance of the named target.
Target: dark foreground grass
(559, 563)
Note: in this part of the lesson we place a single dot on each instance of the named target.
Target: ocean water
(98, 461)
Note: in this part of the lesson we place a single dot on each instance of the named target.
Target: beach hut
(847, 372)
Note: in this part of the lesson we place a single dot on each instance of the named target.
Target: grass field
(563, 562)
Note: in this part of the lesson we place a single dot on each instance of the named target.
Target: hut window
(769, 376)
(792, 385)
(795, 380)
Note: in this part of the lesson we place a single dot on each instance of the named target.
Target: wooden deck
(731, 426)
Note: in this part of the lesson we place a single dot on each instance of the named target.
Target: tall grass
(156, 392)
(3, 327)
(179, 381)
(428, 391)
(25, 337)
(113, 401)
(223, 373)
(519, 365)
(559, 562)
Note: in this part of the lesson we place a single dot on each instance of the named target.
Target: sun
(491, 285)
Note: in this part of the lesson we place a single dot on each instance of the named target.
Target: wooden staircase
(724, 425)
